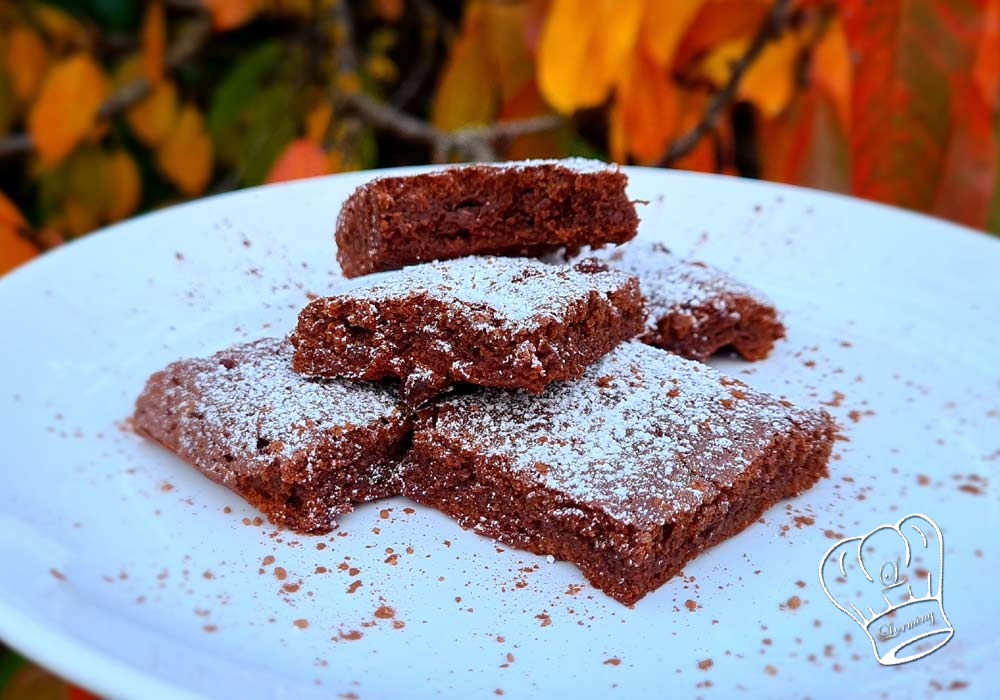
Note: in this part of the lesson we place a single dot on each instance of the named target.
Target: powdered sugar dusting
(582, 166)
(643, 435)
(495, 292)
(265, 410)
(671, 285)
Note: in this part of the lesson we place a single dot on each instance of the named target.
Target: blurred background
(111, 108)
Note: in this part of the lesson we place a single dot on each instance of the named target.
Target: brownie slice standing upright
(524, 208)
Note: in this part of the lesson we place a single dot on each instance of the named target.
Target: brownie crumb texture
(519, 209)
(694, 309)
(628, 473)
(487, 321)
(300, 450)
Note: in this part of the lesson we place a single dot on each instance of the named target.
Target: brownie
(517, 209)
(628, 472)
(488, 321)
(696, 310)
(300, 450)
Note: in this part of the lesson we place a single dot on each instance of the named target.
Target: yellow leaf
(301, 158)
(832, 69)
(27, 61)
(67, 106)
(584, 49)
(464, 94)
(61, 28)
(78, 218)
(770, 81)
(88, 189)
(317, 122)
(126, 186)
(229, 14)
(154, 42)
(153, 118)
(187, 155)
(649, 108)
(663, 27)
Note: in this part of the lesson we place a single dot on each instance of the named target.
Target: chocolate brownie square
(489, 321)
(628, 472)
(693, 309)
(525, 208)
(300, 450)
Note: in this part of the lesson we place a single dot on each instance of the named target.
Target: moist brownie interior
(525, 208)
(489, 321)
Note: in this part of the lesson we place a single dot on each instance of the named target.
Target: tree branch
(769, 30)
(474, 142)
(190, 40)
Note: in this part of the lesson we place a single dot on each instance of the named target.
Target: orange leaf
(317, 121)
(126, 186)
(27, 61)
(986, 72)
(585, 47)
(229, 14)
(663, 27)
(389, 10)
(153, 118)
(301, 158)
(832, 70)
(67, 107)
(907, 52)
(969, 170)
(464, 94)
(649, 105)
(154, 42)
(187, 155)
(617, 137)
(806, 145)
(505, 50)
(10, 215)
(525, 103)
(703, 157)
(717, 22)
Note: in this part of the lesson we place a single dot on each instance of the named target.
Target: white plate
(128, 572)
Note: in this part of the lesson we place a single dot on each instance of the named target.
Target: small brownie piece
(628, 472)
(302, 451)
(694, 309)
(500, 322)
(526, 208)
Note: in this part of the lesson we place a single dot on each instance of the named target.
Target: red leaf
(806, 145)
(968, 180)
(907, 53)
(301, 158)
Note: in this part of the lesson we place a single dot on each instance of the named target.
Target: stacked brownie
(548, 406)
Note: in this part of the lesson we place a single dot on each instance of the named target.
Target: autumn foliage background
(109, 108)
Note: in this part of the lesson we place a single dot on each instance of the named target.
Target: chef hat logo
(890, 582)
